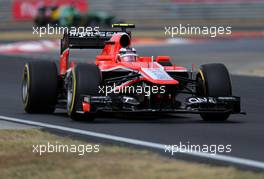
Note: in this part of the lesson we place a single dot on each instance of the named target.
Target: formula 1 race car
(122, 81)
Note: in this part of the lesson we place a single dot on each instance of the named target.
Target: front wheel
(83, 80)
(213, 80)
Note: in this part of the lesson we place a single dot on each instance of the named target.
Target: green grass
(18, 161)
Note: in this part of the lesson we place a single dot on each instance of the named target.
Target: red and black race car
(122, 81)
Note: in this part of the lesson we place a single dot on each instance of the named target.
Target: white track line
(224, 158)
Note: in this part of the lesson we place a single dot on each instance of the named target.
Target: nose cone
(158, 76)
(151, 71)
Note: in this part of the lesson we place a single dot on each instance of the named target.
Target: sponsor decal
(157, 73)
(199, 100)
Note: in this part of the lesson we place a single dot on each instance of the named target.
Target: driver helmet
(128, 54)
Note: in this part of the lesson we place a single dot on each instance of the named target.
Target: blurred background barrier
(182, 9)
(247, 14)
(26, 10)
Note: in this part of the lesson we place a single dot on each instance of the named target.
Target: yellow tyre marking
(202, 75)
(28, 83)
(74, 90)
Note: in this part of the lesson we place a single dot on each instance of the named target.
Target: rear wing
(91, 39)
(88, 40)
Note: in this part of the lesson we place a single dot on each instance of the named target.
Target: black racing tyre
(39, 87)
(213, 80)
(83, 80)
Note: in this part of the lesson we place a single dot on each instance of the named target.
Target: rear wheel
(213, 80)
(83, 80)
(39, 87)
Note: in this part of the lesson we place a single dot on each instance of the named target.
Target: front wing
(192, 105)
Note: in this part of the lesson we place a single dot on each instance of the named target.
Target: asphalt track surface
(244, 133)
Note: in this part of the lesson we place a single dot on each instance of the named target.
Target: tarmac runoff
(14, 126)
(257, 71)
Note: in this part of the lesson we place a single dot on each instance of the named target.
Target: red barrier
(27, 9)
